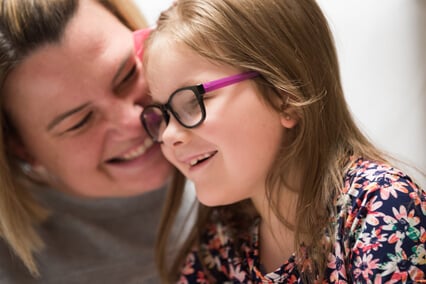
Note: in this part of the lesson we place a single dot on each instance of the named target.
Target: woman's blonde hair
(25, 26)
(290, 44)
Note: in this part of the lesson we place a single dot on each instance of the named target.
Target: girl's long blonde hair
(290, 44)
(25, 26)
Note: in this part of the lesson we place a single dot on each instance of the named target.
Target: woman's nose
(124, 116)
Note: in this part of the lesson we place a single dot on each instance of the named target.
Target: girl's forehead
(159, 40)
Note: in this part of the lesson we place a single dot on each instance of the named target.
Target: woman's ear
(18, 150)
(29, 164)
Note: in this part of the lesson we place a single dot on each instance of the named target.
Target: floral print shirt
(380, 237)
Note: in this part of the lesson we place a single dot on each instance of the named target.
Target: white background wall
(382, 52)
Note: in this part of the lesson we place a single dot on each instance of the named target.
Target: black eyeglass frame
(199, 91)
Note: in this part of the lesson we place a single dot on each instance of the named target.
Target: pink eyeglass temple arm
(217, 84)
(139, 37)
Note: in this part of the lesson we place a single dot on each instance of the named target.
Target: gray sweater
(106, 241)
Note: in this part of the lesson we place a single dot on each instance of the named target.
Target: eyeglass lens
(184, 105)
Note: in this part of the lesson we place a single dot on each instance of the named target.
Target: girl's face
(229, 155)
(76, 105)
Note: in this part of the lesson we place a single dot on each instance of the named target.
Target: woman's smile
(133, 153)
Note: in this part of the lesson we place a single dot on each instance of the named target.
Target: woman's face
(229, 155)
(76, 105)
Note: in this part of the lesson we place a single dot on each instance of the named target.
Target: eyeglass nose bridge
(165, 109)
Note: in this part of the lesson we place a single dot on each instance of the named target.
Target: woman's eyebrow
(64, 115)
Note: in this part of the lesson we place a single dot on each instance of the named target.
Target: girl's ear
(288, 114)
(288, 118)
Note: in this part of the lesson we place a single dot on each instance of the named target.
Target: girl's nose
(174, 134)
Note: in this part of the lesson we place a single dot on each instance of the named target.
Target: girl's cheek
(167, 153)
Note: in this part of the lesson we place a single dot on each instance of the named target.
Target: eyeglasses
(186, 105)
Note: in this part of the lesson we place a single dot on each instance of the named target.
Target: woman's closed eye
(127, 79)
(130, 74)
(81, 123)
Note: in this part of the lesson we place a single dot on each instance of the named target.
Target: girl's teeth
(196, 160)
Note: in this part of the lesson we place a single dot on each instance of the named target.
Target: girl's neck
(275, 247)
(276, 240)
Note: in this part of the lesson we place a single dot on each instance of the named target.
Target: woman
(79, 176)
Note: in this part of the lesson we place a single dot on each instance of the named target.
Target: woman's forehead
(91, 27)
(66, 71)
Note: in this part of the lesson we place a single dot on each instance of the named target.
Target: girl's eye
(81, 123)
(193, 106)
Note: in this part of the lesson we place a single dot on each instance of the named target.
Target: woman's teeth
(137, 151)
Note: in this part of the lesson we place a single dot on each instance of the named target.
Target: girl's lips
(193, 161)
(134, 153)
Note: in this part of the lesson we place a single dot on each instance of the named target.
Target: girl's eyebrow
(64, 115)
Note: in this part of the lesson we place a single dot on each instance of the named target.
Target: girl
(249, 106)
